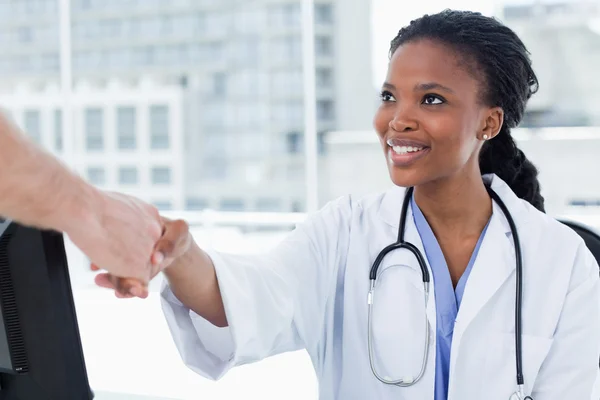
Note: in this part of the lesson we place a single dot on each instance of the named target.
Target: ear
(494, 118)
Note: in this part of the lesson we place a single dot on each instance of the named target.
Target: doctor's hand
(174, 242)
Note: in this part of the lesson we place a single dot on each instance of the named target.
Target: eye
(432, 99)
(387, 96)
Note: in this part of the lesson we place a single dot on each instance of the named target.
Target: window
(285, 15)
(323, 13)
(159, 127)
(126, 128)
(161, 175)
(286, 50)
(163, 205)
(195, 204)
(325, 110)
(24, 35)
(128, 175)
(58, 130)
(94, 129)
(268, 205)
(294, 144)
(324, 78)
(323, 46)
(286, 83)
(219, 84)
(32, 125)
(215, 169)
(96, 175)
(229, 204)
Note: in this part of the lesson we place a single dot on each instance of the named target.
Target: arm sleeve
(274, 302)
(571, 369)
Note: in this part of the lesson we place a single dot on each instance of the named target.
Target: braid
(502, 157)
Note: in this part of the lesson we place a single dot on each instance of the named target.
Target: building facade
(239, 69)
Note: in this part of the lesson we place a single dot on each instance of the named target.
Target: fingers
(123, 287)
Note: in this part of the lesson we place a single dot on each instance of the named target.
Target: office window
(219, 84)
(195, 204)
(285, 15)
(96, 175)
(161, 175)
(286, 50)
(126, 128)
(159, 127)
(58, 130)
(286, 83)
(323, 13)
(323, 45)
(94, 129)
(294, 142)
(268, 205)
(128, 176)
(324, 78)
(24, 35)
(230, 204)
(325, 110)
(31, 125)
(163, 205)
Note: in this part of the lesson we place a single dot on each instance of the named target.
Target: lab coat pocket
(398, 322)
(500, 363)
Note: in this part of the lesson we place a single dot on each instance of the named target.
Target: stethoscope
(401, 244)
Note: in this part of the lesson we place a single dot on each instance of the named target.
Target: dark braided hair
(500, 60)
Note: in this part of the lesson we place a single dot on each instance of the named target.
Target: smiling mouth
(406, 149)
(404, 156)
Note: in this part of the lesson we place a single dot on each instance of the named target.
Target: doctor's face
(430, 114)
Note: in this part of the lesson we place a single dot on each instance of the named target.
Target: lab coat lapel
(494, 266)
(495, 263)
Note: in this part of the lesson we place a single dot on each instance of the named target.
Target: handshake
(128, 240)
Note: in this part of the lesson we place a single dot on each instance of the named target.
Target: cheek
(381, 121)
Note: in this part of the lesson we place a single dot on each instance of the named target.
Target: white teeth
(406, 149)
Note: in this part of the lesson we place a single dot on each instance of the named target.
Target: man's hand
(175, 242)
(120, 236)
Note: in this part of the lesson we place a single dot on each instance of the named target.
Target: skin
(429, 96)
(115, 231)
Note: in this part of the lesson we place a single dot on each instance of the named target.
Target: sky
(388, 16)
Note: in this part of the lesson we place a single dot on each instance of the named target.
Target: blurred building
(564, 40)
(232, 72)
(131, 139)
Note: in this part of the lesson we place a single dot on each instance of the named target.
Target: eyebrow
(423, 87)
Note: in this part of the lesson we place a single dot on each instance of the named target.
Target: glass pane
(94, 129)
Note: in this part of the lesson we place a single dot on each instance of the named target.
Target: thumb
(166, 247)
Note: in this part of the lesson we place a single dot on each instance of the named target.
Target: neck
(455, 207)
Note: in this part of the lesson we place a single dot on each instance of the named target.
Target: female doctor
(487, 297)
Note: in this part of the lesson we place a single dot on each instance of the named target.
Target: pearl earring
(485, 137)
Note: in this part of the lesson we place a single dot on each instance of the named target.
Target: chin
(406, 177)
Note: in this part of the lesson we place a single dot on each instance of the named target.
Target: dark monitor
(41, 356)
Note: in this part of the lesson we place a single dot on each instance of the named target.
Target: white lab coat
(310, 292)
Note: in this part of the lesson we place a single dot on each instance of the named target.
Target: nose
(402, 121)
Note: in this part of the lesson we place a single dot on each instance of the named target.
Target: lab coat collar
(391, 204)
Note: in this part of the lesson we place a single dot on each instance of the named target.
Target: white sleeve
(571, 369)
(274, 302)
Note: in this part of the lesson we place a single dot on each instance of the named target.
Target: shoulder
(374, 207)
(556, 247)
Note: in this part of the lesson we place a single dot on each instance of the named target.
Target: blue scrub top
(447, 299)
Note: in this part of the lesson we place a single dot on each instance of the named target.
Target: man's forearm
(193, 280)
(36, 188)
